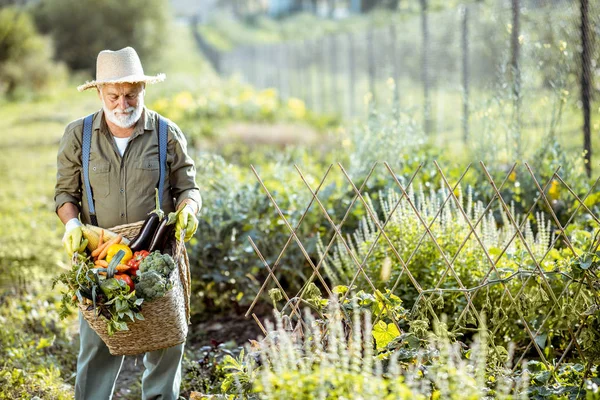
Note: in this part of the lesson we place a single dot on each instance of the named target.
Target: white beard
(125, 118)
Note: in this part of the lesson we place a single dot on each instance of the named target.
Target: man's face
(123, 103)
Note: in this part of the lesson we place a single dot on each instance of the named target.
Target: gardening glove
(186, 220)
(72, 238)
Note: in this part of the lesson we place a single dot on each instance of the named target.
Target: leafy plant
(109, 297)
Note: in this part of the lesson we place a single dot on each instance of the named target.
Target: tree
(368, 5)
(82, 28)
(25, 56)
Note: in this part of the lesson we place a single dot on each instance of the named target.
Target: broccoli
(153, 276)
(151, 285)
(161, 263)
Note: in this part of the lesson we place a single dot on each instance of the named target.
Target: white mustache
(128, 110)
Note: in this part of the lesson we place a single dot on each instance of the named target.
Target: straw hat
(121, 66)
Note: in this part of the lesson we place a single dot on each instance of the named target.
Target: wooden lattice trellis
(468, 292)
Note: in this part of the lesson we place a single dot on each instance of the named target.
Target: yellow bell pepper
(114, 249)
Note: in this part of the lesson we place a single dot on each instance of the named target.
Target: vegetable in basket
(153, 276)
(134, 263)
(113, 249)
(143, 239)
(165, 231)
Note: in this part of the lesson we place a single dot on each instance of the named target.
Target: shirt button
(122, 215)
(122, 190)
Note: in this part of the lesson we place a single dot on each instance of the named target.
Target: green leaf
(275, 295)
(112, 265)
(121, 326)
(540, 340)
(340, 289)
(45, 342)
(384, 333)
(586, 261)
(312, 292)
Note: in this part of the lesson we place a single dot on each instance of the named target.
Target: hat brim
(127, 79)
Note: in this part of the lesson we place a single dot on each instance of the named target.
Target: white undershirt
(121, 144)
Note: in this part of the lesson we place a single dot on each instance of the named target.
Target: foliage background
(232, 125)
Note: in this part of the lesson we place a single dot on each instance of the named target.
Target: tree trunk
(367, 5)
(330, 8)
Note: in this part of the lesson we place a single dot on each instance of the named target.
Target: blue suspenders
(85, 160)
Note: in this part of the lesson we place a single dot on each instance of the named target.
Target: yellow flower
(269, 93)
(246, 95)
(562, 45)
(297, 107)
(184, 100)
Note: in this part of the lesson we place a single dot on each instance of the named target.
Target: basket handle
(184, 276)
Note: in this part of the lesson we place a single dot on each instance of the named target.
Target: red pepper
(135, 261)
(125, 278)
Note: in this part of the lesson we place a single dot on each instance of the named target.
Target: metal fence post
(333, 54)
(371, 63)
(351, 74)
(395, 66)
(425, 68)
(465, 72)
(586, 83)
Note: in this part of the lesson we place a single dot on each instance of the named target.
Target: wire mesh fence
(523, 276)
(520, 60)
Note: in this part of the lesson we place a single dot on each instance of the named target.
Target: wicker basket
(166, 319)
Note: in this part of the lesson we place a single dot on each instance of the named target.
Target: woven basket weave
(166, 319)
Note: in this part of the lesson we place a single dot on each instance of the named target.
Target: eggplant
(144, 238)
(162, 235)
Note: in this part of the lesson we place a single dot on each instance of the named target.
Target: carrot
(101, 239)
(115, 240)
(101, 263)
(122, 268)
(99, 249)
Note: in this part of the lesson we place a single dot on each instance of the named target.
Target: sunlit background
(290, 86)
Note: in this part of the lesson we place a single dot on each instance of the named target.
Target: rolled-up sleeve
(182, 170)
(68, 174)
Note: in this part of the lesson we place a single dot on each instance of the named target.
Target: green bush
(110, 24)
(228, 272)
(25, 57)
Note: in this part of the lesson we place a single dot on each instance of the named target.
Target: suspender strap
(85, 163)
(162, 154)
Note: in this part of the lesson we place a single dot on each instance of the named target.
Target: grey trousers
(97, 369)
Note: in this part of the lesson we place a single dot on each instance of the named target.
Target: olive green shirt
(124, 187)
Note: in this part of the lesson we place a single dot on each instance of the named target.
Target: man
(124, 171)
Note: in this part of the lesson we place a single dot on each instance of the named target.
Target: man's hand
(72, 238)
(186, 220)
